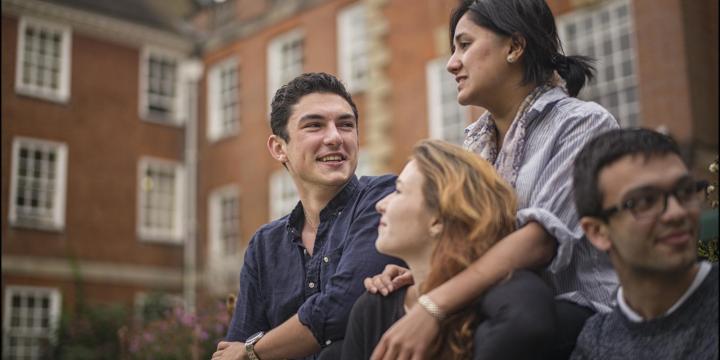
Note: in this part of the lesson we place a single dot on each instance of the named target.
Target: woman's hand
(409, 337)
(393, 277)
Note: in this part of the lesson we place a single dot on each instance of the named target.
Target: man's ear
(277, 148)
(597, 232)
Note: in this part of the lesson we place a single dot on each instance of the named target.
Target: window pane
(161, 90)
(42, 53)
(36, 183)
(609, 33)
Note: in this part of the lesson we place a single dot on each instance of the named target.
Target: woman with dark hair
(449, 207)
(507, 58)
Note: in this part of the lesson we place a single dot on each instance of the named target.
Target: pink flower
(134, 345)
(186, 319)
(148, 337)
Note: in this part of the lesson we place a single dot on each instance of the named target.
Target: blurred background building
(133, 132)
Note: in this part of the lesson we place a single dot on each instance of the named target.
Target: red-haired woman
(449, 207)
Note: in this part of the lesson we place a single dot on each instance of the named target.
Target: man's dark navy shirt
(279, 278)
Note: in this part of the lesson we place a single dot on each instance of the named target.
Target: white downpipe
(190, 72)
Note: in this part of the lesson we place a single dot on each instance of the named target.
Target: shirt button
(328, 342)
(326, 259)
(305, 251)
(311, 285)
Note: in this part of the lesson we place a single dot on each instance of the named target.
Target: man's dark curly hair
(290, 94)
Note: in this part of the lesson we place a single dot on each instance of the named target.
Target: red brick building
(152, 178)
(657, 67)
(93, 160)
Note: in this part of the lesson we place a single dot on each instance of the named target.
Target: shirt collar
(633, 316)
(336, 205)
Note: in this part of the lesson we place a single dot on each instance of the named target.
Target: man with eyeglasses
(639, 203)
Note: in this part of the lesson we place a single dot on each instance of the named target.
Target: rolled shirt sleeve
(546, 193)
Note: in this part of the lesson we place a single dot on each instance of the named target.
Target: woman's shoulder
(574, 109)
(571, 116)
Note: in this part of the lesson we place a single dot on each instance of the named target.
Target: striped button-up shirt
(578, 272)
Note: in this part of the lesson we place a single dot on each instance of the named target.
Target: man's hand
(393, 277)
(230, 351)
(409, 337)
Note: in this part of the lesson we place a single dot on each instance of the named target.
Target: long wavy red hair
(477, 209)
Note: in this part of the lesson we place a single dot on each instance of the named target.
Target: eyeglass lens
(653, 202)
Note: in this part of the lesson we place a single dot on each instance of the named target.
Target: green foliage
(101, 332)
(708, 250)
(179, 335)
(91, 333)
(155, 307)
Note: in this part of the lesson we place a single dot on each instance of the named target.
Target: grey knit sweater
(690, 332)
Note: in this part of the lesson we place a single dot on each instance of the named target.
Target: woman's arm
(528, 247)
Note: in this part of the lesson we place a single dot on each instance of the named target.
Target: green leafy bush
(179, 335)
(91, 333)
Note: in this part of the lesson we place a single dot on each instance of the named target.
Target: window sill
(54, 97)
(159, 238)
(212, 139)
(39, 225)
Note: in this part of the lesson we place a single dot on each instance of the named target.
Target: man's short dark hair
(290, 94)
(605, 149)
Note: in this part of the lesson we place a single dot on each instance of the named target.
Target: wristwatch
(250, 345)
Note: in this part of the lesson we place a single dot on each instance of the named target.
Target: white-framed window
(225, 250)
(160, 187)
(37, 185)
(43, 60)
(30, 320)
(606, 32)
(160, 86)
(224, 222)
(447, 119)
(223, 100)
(352, 46)
(283, 194)
(285, 60)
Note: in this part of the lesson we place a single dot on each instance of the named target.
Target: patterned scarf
(481, 138)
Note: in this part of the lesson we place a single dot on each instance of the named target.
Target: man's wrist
(250, 346)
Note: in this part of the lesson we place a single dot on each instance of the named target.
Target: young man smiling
(639, 203)
(303, 272)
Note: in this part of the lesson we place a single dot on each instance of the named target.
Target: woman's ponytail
(576, 70)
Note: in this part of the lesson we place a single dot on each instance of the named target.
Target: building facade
(656, 67)
(93, 162)
(133, 151)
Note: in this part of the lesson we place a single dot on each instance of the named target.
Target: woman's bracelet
(431, 307)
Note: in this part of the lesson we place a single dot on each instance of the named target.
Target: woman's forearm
(528, 247)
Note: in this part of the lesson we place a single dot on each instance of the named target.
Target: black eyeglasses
(650, 203)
